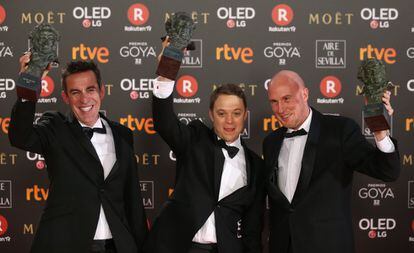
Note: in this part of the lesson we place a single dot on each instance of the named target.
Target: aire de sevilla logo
(138, 14)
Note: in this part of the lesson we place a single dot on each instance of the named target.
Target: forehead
(282, 86)
(228, 102)
(81, 80)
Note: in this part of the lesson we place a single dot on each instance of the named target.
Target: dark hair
(74, 67)
(227, 89)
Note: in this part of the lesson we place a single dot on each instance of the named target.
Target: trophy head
(372, 73)
(44, 40)
(180, 27)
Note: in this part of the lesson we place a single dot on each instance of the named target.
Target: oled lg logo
(5, 194)
(379, 17)
(82, 52)
(376, 193)
(236, 17)
(330, 87)
(6, 85)
(377, 228)
(93, 16)
(137, 88)
(187, 87)
(5, 51)
(138, 51)
(138, 15)
(3, 16)
(147, 194)
(387, 55)
(282, 52)
(228, 53)
(330, 54)
(37, 158)
(282, 15)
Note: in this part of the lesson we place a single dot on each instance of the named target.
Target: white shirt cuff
(163, 89)
(385, 145)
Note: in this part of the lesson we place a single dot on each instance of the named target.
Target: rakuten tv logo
(91, 16)
(3, 16)
(82, 52)
(387, 55)
(48, 86)
(228, 53)
(138, 15)
(379, 17)
(187, 86)
(4, 225)
(377, 228)
(236, 17)
(330, 87)
(282, 16)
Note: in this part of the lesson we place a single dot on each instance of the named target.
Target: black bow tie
(296, 133)
(89, 131)
(231, 150)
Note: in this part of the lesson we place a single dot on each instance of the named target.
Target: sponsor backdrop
(243, 43)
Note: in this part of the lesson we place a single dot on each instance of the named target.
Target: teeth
(85, 109)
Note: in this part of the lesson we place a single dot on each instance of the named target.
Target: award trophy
(372, 74)
(179, 29)
(43, 41)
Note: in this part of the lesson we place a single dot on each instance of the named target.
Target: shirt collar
(306, 124)
(236, 143)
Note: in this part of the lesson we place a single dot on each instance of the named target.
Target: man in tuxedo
(216, 202)
(94, 203)
(310, 163)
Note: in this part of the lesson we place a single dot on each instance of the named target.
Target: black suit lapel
(118, 148)
(273, 166)
(82, 139)
(218, 166)
(308, 159)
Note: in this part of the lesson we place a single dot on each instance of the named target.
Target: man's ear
(64, 97)
(210, 113)
(102, 91)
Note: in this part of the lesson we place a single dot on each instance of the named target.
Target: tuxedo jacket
(319, 217)
(77, 187)
(199, 165)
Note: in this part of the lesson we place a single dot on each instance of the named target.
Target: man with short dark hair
(94, 203)
(216, 204)
(310, 163)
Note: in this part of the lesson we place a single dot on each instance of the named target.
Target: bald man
(309, 168)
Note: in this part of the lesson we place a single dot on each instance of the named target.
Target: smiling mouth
(86, 109)
(228, 130)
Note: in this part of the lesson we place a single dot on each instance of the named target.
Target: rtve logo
(4, 124)
(271, 124)
(37, 193)
(138, 124)
(282, 15)
(386, 54)
(330, 87)
(101, 54)
(228, 53)
(409, 124)
(187, 86)
(138, 14)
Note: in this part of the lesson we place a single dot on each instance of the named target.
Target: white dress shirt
(234, 174)
(291, 154)
(105, 148)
